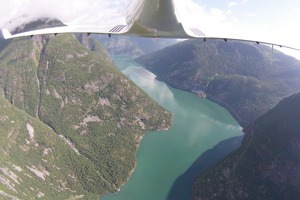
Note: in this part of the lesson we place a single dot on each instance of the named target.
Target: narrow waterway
(163, 156)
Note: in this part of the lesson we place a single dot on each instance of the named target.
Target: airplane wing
(204, 38)
(119, 25)
(112, 29)
(144, 18)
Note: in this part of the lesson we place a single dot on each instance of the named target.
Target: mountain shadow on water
(181, 188)
(265, 166)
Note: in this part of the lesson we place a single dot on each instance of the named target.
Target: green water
(163, 156)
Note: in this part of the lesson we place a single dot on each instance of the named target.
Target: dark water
(163, 157)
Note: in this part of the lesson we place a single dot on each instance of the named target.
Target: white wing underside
(144, 18)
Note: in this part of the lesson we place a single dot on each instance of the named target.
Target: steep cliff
(267, 164)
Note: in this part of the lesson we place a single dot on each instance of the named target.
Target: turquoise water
(163, 156)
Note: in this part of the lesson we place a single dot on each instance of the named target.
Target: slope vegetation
(77, 121)
(267, 164)
(247, 79)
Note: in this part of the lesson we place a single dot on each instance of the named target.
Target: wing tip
(6, 34)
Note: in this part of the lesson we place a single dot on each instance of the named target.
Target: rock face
(70, 122)
(267, 164)
(247, 79)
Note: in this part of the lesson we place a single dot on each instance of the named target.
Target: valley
(74, 127)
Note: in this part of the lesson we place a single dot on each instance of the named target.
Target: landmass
(247, 79)
(266, 166)
(70, 121)
(132, 46)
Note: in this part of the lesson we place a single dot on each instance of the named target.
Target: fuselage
(155, 18)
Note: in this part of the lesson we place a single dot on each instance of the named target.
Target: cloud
(245, 1)
(215, 19)
(231, 4)
(210, 20)
(249, 22)
(217, 14)
(251, 14)
(236, 3)
(17, 12)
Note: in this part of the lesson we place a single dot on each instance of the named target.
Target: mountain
(186, 180)
(92, 44)
(132, 46)
(36, 162)
(267, 164)
(70, 122)
(247, 79)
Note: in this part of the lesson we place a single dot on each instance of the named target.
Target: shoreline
(138, 142)
(228, 108)
(138, 138)
(203, 95)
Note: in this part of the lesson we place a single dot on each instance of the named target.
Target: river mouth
(164, 156)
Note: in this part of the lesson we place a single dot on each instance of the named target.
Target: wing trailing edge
(226, 39)
(113, 29)
(143, 18)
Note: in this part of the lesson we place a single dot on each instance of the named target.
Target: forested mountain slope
(247, 79)
(267, 164)
(70, 121)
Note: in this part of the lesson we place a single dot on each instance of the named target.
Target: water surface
(163, 156)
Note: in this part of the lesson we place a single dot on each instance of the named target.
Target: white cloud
(249, 22)
(231, 4)
(217, 13)
(251, 14)
(244, 1)
(16, 12)
(237, 3)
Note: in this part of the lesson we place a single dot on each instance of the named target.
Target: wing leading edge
(143, 18)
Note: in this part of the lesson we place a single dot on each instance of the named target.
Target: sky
(273, 21)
